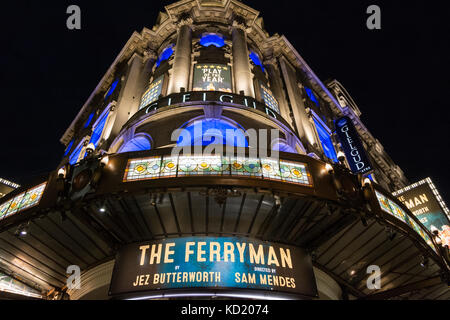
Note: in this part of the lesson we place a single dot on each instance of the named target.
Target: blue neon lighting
(88, 122)
(68, 148)
(256, 60)
(325, 140)
(206, 132)
(165, 55)
(136, 144)
(312, 96)
(75, 154)
(98, 130)
(212, 39)
(112, 88)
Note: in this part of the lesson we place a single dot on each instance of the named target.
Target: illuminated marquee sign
(353, 148)
(212, 263)
(424, 201)
(212, 77)
(209, 96)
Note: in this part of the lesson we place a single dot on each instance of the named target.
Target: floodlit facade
(206, 141)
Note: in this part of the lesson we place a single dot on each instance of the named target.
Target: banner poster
(212, 77)
(353, 148)
(212, 263)
(424, 201)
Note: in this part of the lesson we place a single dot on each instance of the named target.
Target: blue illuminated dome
(212, 39)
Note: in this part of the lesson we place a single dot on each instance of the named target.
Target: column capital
(184, 19)
(149, 54)
(272, 61)
(239, 23)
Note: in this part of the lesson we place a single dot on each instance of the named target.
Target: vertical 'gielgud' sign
(353, 148)
(212, 263)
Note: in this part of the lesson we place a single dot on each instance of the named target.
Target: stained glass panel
(151, 168)
(245, 167)
(4, 208)
(397, 211)
(295, 173)
(199, 165)
(15, 205)
(33, 196)
(169, 167)
(270, 169)
(143, 169)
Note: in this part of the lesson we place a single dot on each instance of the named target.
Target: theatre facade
(211, 161)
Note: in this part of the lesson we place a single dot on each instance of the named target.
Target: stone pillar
(277, 88)
(130, 96)
(301, 118)
(182, 61)
(241, 64)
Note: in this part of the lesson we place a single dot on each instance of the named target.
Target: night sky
(396, 75)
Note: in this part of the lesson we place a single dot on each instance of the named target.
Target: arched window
(98, 128)
(212, 39)
(283, 147)
(256, 60)
(212, 131)
(165, 55)
(138, 143)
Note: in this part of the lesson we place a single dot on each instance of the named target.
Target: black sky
(398, 75)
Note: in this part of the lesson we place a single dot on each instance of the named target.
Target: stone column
(241, 65)
(130, 96)
(277, 88)
(182, 61)
(301, 118)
